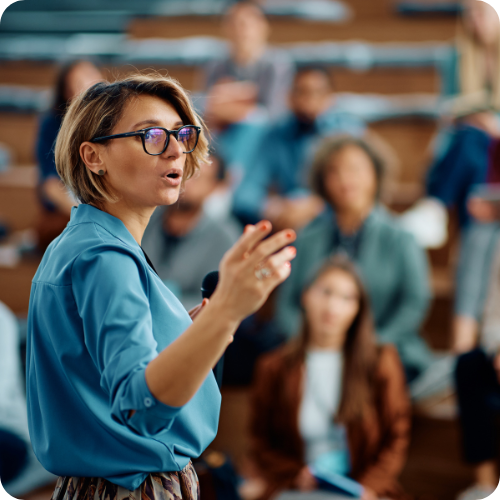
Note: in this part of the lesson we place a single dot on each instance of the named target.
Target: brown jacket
(378, 444)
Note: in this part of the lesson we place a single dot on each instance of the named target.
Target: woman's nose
(335, 305)
(174, 149)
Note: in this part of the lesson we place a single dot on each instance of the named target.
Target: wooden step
(30, 73)
(410, 139)
(18, 132)
(18, 199)
(435, 469)
(19, 209)
(375, 80)
(16, 285)
(287, 29)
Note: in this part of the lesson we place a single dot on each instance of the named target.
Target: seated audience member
(55, 200)
(20, 470)
(252, 74)
(453, 175)
(281, 163)
(246, 88)
(475, 66)
(461, 149)
(478, 390)
(184, 242)
(477, 246)
(474, 268)
(347, 174)
(331, 398)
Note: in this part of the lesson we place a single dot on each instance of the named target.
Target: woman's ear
(91, 155)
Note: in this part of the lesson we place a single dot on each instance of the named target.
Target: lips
(173, 176)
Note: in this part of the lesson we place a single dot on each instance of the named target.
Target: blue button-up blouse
(98, 315)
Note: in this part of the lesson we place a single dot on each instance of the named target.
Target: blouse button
(148, 402)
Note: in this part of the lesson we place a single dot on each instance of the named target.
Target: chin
(168, 197)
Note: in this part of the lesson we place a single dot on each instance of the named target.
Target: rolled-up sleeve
(111, 293)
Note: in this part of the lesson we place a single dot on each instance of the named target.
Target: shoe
(475, 492)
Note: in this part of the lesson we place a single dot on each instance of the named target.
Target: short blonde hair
(96, 112)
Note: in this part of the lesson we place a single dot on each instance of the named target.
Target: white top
(320, 404)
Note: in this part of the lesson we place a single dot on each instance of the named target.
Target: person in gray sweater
(252, 73)
(184, 242)
(347, 173)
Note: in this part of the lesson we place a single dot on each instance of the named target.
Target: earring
(101, 172)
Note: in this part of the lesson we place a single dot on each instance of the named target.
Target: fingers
(273, 244)
(197, 309)
(279, 267)
(252, 235)
(278, 262)
(194, 310)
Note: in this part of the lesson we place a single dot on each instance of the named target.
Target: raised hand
(253, 268)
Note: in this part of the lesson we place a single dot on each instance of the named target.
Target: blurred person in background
(477, 380)
(475, 66)
(184, 242)
(246, 88)
(347, 173)
(55, 200)
(477, 337)
(462, 161)
(471, 123)
(20, 470)
(265, 74)
(477, 245)
(331, 398)
(277, 187)
(466, 153)
(452, 176)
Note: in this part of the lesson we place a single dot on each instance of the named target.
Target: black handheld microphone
(208, 286)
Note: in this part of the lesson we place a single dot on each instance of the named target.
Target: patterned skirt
(181, 485)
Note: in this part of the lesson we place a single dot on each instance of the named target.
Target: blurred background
(416, 79)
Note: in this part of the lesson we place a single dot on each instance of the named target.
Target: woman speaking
(119, 384)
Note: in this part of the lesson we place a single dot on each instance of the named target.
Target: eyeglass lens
(156, 138)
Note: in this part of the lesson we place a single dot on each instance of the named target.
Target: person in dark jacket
(55, 200)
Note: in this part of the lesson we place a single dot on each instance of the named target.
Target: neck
(350, 221)
(135, 218)
(246, 55)
(332, 347)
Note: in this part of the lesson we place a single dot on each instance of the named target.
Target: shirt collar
(87, 213)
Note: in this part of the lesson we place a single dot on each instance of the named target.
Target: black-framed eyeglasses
(155, 139)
